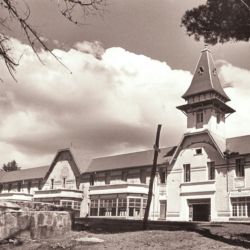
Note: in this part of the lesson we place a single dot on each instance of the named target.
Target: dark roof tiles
(24, 174)
(205, 78)
(129, 160)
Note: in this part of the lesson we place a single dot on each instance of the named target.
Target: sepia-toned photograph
(124, 124)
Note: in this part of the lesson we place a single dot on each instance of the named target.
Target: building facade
(206, 177)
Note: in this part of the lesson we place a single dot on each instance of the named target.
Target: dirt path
(205, 236)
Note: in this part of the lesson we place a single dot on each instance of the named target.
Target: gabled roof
(205, 78)
(218, 142)
(24, 174)
(240, 144)
(130, 160)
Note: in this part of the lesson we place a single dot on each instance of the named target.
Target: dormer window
(198, 151)
(201, 70)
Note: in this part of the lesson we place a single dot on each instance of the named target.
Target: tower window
(199, 119)
(186, 168)
(201, 70)
(218, 118)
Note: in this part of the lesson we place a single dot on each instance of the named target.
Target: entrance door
(199, 209)
(201, 212)
(163, 209)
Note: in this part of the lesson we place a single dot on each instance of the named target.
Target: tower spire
(205, 77)
(206, 100)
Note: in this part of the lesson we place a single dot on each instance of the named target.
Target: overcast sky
(129, 66)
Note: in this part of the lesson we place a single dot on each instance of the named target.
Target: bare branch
(15, 13)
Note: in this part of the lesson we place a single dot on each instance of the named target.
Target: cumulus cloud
(111, 103)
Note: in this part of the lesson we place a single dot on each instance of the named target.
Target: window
(241, 207)
(107, 178)
(143, 176)
(134, 207)
(218, 117)
(52, 184)
(162, 175)
(9, 187)
(76, 205)
(93, 207)
(211, 170)
(92, 180)
(201, 70)
(198, 151)
(64, 182)
(19, 186)
(122, 206)
(108, 207)
(199, 117)
(29, 186)
(67, 204)
(1, 188)
(124, 175)
(240, 168)
(186, 168)
(39, 185)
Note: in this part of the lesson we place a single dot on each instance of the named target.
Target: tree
(18, 12)
(11, 166)
(219, 21)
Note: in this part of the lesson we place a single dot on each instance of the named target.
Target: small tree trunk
(152, 177)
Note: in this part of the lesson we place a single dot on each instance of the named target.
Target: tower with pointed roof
(205, 98)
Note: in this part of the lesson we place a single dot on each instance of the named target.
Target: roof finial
(205, 48)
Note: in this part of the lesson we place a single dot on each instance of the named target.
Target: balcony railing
(119, 188)
(16, 196)
(60, 193)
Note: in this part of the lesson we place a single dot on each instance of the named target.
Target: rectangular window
(186, 168)
(143, 176)
(29, 187)
(199, 117)
(211, 170)
(9, 187)
(52, 184)
(240, 167)
(107, 178)
(92, 180)
(241, 207)
(19, 186)
(124, 175)
(162, 175)
(134, 207)
(122, 206)
(93, 207)
(198, 151)
(64, 182)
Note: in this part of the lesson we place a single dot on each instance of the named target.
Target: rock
(89, 240)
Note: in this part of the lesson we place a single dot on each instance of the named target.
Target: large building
(205, 177)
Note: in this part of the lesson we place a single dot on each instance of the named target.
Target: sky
(129, 66)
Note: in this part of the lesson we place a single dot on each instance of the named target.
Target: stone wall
(34, 224)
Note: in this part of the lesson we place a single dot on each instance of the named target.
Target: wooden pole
(152, 177)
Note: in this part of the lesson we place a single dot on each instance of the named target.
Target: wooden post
(152, 177)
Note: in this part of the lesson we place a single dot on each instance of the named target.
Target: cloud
(111, 103)
(237, 81)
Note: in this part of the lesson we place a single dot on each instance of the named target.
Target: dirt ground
(203, 236)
